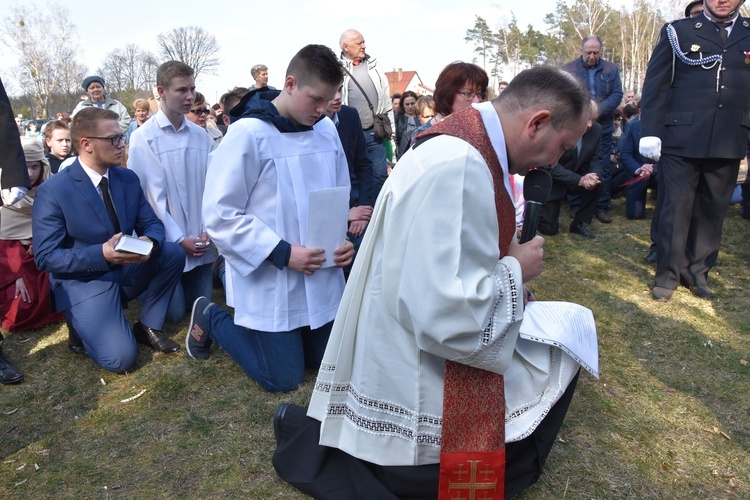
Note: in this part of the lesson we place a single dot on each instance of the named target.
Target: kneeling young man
(281, 147)
(79, 215)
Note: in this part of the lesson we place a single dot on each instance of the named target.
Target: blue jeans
(376, 152)
(194, 283)
(275, 360)
(635, 197)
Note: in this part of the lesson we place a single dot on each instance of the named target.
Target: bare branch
(192, 45)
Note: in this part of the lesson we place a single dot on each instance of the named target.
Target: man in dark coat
(696, 116)
(602, 78)
(578, 172)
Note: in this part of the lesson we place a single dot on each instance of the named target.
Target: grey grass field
(669, 417)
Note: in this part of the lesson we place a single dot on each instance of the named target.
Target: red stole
(472, 456)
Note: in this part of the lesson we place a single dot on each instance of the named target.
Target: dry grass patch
(669, 418)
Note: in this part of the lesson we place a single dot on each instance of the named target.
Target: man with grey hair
(427, 335)
(602, 78)
(366, 89)
(259, 72)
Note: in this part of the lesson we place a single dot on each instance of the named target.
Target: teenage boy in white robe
(281, 147)
(170, 155)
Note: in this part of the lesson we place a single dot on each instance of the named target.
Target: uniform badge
(745, 24)
(695, 47)
(698, 25)
(747, 56)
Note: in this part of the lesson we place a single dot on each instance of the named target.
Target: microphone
(536, 189)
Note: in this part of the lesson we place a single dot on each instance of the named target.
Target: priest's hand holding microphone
(528, 249)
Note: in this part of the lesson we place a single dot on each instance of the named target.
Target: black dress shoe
(651, 257)
(702, 292)
(661, 294)
(578, 227)
(74, 341)
(9, 374)
(278, 417)
(154, 339)
(603, 217)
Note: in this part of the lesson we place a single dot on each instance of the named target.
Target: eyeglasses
(199, 111)
(469, 95)
(114, 140)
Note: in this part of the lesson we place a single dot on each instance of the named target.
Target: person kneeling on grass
(255, 209)
(79, 216)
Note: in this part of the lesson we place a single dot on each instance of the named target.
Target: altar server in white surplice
(170, 156)
(280, 147)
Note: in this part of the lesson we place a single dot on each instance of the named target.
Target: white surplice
(256, 195)
(429, 285)
(171, 165)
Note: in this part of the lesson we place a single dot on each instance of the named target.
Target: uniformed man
(695, 114)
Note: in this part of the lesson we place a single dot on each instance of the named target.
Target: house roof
(400, 80)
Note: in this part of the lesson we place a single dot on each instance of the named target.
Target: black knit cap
(91, 79)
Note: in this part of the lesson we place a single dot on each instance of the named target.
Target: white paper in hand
(327, 214)
(569, 326)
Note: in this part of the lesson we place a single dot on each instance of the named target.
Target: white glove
(12, 195)
(650, 147)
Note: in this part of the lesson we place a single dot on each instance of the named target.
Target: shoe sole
(278, 418)
(661, 298)
(190, 329)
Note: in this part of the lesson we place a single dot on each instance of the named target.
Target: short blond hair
(141, 104)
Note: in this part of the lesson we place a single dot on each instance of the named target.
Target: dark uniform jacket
(693, 114)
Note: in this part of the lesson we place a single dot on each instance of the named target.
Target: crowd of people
(402, 281)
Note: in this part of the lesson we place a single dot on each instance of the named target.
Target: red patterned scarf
(472, 456)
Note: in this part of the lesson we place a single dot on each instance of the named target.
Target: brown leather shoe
(155, 339)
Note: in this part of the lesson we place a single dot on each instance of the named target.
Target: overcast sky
(416, 35)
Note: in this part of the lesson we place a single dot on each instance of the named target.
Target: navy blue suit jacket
(70, 225)
(360, 166)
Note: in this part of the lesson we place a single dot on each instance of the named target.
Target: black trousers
(331, 474)
(549, 215)
(692, 201)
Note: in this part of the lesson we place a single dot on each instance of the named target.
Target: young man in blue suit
(79, 215)
(362, 198)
